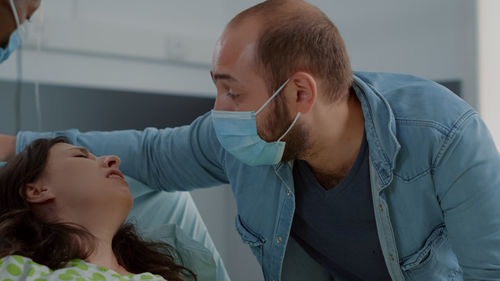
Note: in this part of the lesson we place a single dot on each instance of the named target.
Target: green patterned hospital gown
(18, 268)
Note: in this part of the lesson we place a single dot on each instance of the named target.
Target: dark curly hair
(55, 244)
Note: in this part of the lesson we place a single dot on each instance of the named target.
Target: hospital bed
(172, 217)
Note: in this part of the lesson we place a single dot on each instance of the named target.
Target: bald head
(290, 36)
(273, 10)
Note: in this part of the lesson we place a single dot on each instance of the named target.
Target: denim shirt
(434, 171)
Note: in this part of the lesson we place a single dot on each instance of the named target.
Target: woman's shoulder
(17, 268)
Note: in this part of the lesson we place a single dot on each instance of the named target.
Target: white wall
(151, 45)
(489, 64)
(165, 46)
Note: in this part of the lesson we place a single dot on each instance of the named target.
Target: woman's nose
(111, 161)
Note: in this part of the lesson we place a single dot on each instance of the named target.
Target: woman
(61, 214)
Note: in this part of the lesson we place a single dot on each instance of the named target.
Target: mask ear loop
(272, 97)
(289, 128)
(14, 11)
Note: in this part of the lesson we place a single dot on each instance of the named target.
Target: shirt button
(279, 240)
(288, 192)
(381, 207)
(392, 257)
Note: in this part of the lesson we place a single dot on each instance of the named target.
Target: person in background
(13, 14)
(336, 174)
(62, 213)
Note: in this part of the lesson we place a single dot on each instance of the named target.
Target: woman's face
(83, 188)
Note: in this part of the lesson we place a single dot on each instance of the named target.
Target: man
(13, 13)
(383, 176)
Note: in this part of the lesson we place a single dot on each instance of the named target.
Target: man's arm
(7, 147)
(181, 158)
(467, 177)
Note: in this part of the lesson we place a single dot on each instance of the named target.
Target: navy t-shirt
(337, 226)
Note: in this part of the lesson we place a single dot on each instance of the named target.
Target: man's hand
(7, 147)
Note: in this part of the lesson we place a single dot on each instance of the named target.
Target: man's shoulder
(417, 101)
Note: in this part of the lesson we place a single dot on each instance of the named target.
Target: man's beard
(297, 140)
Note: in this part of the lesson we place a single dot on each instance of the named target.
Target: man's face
(241, 87)
(25, 10)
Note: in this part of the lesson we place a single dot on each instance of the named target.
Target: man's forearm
(171, 159)
(7, 147)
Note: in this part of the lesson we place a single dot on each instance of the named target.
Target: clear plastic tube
(38, 33)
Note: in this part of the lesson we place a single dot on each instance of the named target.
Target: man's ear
(38, 193)
(306, 88)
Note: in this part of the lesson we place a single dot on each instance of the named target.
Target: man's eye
(231, 95)
(81, 155)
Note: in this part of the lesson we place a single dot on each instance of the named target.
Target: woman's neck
(104, 256)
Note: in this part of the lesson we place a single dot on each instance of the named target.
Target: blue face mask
(14, 42)
(237, 133)
(15, 38)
